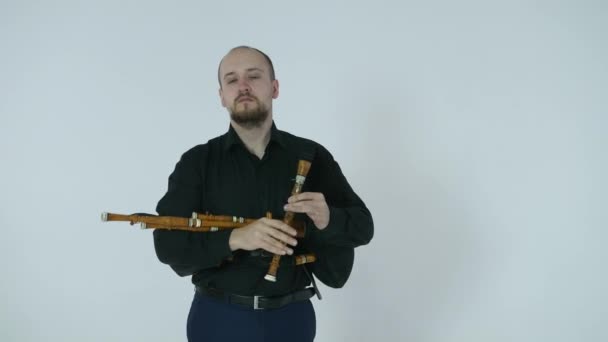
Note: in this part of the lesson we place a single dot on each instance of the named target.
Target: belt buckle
(256, 303)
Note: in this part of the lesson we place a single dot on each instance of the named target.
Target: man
(248, 172)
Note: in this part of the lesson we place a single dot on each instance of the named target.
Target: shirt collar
(232, 138)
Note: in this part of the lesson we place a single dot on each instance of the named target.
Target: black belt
(258, 302)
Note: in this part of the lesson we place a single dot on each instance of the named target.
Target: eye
(254, 77)
(231, 81)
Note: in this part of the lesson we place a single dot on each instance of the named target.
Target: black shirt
(222, 177)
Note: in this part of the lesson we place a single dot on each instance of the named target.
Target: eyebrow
(248, 70)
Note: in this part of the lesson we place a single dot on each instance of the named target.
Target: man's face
(246, 88)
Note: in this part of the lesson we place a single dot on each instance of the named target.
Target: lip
(245, 99)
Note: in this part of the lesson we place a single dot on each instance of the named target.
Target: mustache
(246, 95)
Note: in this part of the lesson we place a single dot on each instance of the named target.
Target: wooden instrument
(198, 222)
(303, 168)
(211, 223)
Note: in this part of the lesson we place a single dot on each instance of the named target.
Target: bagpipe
(212, 223)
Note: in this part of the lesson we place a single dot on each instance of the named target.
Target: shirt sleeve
(333, 265)
(350, 221)
(350, 224)
(188, 252)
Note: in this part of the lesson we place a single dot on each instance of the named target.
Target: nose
(244, 85)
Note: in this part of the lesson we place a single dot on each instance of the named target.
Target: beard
(251, 115)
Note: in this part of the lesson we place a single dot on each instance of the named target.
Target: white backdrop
(474, 131)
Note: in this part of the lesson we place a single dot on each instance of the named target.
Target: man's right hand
(268, 234)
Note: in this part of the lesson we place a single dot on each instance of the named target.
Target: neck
(255, 138)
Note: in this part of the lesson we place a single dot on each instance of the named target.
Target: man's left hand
(311, 203)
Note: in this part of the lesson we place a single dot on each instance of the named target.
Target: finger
(282, 237)
(275, 246)
(281, 226)
(272, 249)
(305, 196)
(302, 207)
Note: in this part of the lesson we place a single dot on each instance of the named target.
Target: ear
(221, 93)
(275, 89)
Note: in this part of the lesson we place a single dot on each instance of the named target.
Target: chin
(249, 118)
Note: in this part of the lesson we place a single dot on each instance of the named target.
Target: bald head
(245, 49)
(247, 86)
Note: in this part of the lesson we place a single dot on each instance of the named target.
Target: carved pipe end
(270, 277)
(104, 217)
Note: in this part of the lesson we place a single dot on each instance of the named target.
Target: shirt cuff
(335, 228)
(221, 246)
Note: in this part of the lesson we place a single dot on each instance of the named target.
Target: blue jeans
(212, 320)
